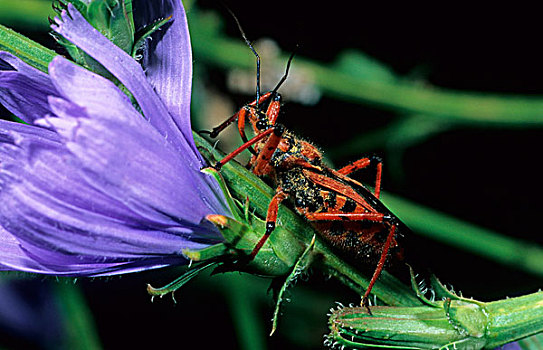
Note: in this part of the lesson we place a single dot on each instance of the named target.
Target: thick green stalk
(514, 318)
(454, 323)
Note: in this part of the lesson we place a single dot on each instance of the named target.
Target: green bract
(112, 18)
(29, 51)
(451, 323)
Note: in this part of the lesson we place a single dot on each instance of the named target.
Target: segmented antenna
(254, 52)
(284, 77)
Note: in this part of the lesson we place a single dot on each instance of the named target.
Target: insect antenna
(284, 77)
(254, 52)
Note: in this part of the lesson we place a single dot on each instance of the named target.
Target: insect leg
(269, 148)
(273, 109)
(252, 118)
(363, 163)
(216, 130)
(375, 217)
(243, 147)
(379, 268)
(219, 128)
(241, 126)
(271, 218)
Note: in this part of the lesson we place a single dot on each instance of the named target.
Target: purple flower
(93, 187)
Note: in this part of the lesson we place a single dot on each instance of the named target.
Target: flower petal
(58, 218)
(135, 165)
(168, 59)
(153, 177)
(85, 88)
(37, 156)
(12, 256)
(36, 217)
(75, 28)
(24, 89)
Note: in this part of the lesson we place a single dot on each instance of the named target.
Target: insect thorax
(303, 192)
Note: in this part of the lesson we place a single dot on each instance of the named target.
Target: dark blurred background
(489, 176)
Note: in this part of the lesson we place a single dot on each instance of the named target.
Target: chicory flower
(92, 187)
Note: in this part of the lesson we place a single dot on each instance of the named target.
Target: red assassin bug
(345, 213)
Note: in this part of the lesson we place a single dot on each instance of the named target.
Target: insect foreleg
(271, 218)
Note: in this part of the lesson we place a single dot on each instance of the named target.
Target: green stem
(452, 323)
(513, 319)
(30, 14)
(463, 107)
(450, 230)
(243, 305)
(81, 331)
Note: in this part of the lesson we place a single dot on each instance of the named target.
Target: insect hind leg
(363, 163)
(379, 268)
